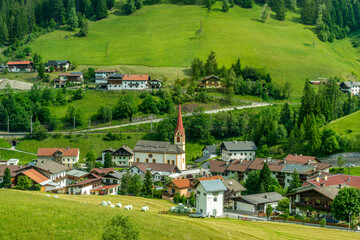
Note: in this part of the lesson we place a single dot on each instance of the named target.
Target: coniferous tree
(237, 68)
(129, 7)
(225, 5)
(280, 10)
(101, 10)
(110, 4)
(211, 66)
(138, 4)
(265, 177)
(147, 184)
(135, 185)
(84, 31)
(125, 183)
(295, 182)
(308, 12)
(7, 177)
(4, 35)
(108, 160)
(73, 19)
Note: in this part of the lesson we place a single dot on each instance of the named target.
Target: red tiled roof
(239, 165)
(84, 182)
(217, 166)
(100, 171)
(70, 74)
(275, 165)
(19, 63)
(182, 183)
(67, 152)
(211, 178)
(100, 71)
(12, 168)
(300, 158)
(179, 125)
(132, 77)
(103, 188)
(352, 181)
(35, 176)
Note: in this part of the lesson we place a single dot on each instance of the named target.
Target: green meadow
(164, 35)
(348, 125)
(33, 215)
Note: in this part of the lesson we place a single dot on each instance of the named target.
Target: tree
(290, 4)
(147, 184)
(84, 30)
(108, 160)
(41, 71)
(120, 229)
(125, 183)
(280, 10)
(138, 4)
(340, 161)
(149, 105)
(210, 3)
(346, 202)
(295, 182)
(192, 199)
(225, 6)
(24, 182)
(135, 185)
(308, 12)
(322, 222)
(105, 114)
(265, 13)
(283, 205)
(73, 19)
(7, 178)
(101, 10)
(125, 108)
(129, 7)
(211, 66)
(265, 177)
(4, 34)
(269, 210)
(331, 145)
(252, 182)
(91, 157)
(110, 4)
(177, 198)
(79, 94)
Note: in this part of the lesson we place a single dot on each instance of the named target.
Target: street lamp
(349, 219)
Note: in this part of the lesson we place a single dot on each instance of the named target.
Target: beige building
(66, 156)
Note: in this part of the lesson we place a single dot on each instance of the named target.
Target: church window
(183, 160)
(147, 160)
(168, 161)
(150, 155)
(154, 161)
(178, 139)
(172, 162)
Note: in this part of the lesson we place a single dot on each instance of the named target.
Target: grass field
(23, 157)
(348, 125)
(4, 144)
(351, 171)
(32, 215)
(163, 35)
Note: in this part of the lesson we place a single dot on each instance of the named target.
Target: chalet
(256, 203)
(105, 190)
(158, 170)
(101, 75)
(113, 178)
(210, 82)
(54, 171)
(76, 175)
(154, 84)
(65, 156)
(135, 82)
(209, 151)
(353, 88)
(57, 66)
(123, 156)
(244, 150)
(58, 83)
(72, 78)
(38, 178)
(102, 171)
(84, 187)
(210, 197)
(13, 170)
(181, 186)
(20, 66)
(234, 186)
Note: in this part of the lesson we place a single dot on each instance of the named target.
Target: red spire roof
(179, 125)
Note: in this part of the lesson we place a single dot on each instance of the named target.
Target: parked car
(197, 215)
(350, 165)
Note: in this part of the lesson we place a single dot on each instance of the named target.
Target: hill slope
(163, 35)
(344, 124)
(32, 215)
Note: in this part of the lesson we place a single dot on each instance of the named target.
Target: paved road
(15, 150)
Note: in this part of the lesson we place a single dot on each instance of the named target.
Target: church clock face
(150, 155)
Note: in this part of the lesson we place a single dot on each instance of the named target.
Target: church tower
(179, 137)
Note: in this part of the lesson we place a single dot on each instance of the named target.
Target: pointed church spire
(179, 125)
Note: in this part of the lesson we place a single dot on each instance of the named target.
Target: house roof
(132, 77)
(208, 77)
(330, 191)
(19, 63)
(179, 125)
(57, 62)
(155, 167)
(210, 178)
(349, 180)
(203, 158)
(124, 148)
(50, 166)
(35, 176)
(275, 165)
(85, 182)
(218, 166)
(101, 171)
(182, 183)
(211, 148)
(109, 150)
(300, 158)
(239, 146)
(77, 173)
(117, 175)
(12, 168)
(213, 185)
(260, 198)
(157, 147)
(67, 152)
(75, 74)
(105, 71)
(239, 165)
(103, 188)
(232, 184)
(302, 169)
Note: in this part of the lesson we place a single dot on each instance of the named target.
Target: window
(115, 181)
(250, 154)
(172, 162)
(154, 161)
(317, 201)
(150, 155)
(241, 154)
(137, 159)
(215, 199)
(172, 190)
(189, 189)
(68, 165)
(147, 160)
(245, 154)
(204, 194)
(306, 199)
(178, 139)
(107, 180)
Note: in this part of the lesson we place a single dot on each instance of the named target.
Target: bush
(322, 222)
(112, 137)
(120, 228)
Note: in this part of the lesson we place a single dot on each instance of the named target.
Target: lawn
(4, 144)
(32, 215)
(163, 35)
(351, 171)
(23, 157)
(348, 125)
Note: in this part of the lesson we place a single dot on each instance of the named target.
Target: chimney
(295, 154)
(317, 179)
(339, 186)
(309, 161)
(348, 179)
(325, 178)
(230, 183)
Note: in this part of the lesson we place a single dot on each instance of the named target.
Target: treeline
(241, 81)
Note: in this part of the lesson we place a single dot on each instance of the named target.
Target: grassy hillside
(35, 216)
(163, 35)
(348, 125)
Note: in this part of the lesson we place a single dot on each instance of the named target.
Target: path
(14, 84)
(15, 150)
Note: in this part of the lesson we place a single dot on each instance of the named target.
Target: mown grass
(32, 215)
(348, 125)
(23, 157)
(4, 144)
(163, 35)
(351, 171)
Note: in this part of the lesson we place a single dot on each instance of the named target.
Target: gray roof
(232, 184)
(50, 166)
(239, 146)
(299, 168)
(211, 148)
(117, 175)
(203, 158)
(109, 149)
(57, 62)
(77, 173)
(157, 147)
(260, 198)
(213, 185)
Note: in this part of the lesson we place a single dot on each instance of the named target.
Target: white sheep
(118, 205)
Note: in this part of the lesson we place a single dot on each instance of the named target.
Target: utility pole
(8, 123)
(74, 123)
(31, 126)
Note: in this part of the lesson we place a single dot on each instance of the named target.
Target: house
(353, 88)
(38, 178)
(256, 203)
(65, 156)
(181, 186)
(57, 66)
(123, 156)
(158, 170)
(12, 161)
(58, 83)
(244, 150)
(75, 176)
(13, 170)
(101, 75)
(114, 82)
(72, 78)
(102, 171)
(301, 158)
(84, 187)
(135, 82)
(2, 67)
(20, 66)
(234, 186)
(210, 197)
(236, 168)
(54, 171)
(154, 84)
(105, 190)
(164, 152)
(318, 193)
(209, 151)
(113, 178)
(210, 82)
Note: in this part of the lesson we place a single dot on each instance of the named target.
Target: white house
(84, 187)
(241, 150)
(350, 87)
(127, 82)
(65, 156)
(101, 75)
(256, 203)
(163, 152)
(123, 156)
(52, 170)
(12, 161)
(113, 178)
(62, 65)
(72, 78)
(158, 170)
(210, 197)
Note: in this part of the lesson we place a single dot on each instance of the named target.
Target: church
(161, 151)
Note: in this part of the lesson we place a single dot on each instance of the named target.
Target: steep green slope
(347, 125)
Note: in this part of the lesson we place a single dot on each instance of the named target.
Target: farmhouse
(210, 197)
(105, 190)
(84, 187)
(210, 82)
(76, 175)
(163, 152)
(154, 84)
(52, 170)
(158, 170)
(38, 178)
(58, 66)
(256, 203)
(66, 156)
(20, 66)
(244, 150)
(12, 161)
(101, 171)
(353, 88)
(101, 75)
(209, 151)
(181, 186)
(13, 170)
(123, 156)
(72, 78)
(113, 178)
